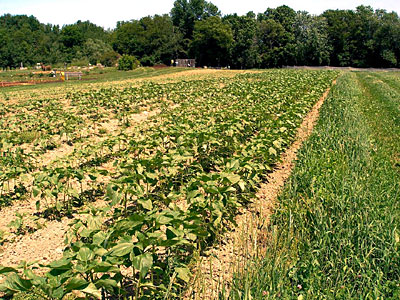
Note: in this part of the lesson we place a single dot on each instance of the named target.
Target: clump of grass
(28, 136)
(102, 131)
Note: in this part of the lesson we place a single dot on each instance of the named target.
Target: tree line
(280, 36)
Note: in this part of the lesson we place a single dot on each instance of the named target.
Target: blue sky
(106, 13)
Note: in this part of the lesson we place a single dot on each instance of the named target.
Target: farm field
(24, 79)
(334, 233)
(137, 176)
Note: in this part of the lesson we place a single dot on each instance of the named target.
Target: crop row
(177, 184)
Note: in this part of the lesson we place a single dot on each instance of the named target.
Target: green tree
(95, 49)
(185, 13)
(339, 35)
(128, 38)
(161, 39)
(109, 59)
(244, 51)
(387, 39)
(152, 39)
(362, 27)
(5, 49)
(71, 36)
(272, 39)
(211, 42)
(276, 36)
(312, 44)
(283, 15)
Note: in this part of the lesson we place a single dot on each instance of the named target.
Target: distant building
(187, 62)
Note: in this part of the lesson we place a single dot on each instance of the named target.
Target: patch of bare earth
(193, 74)
(213, 273)
(46, 244)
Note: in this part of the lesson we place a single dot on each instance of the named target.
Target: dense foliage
(196, 28)
(127, 62)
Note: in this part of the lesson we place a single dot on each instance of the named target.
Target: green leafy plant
(127, 62)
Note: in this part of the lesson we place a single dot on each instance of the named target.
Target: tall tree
(272, 40)
(387, 39)
(244, 51)
(312, 45)
(339, 35)
(277, 36)
(185, 13)
(211, 42)
(152, 39)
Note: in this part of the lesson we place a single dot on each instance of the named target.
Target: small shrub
(127, 62)
(109, 59)
(148, 61)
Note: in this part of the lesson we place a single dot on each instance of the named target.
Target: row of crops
(176, 181)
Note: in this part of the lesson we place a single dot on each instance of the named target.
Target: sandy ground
(46, 244)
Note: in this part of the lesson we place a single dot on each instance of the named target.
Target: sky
(106, 13)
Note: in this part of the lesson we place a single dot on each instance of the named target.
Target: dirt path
(214, 272)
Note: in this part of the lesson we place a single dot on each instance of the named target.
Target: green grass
(335, 233)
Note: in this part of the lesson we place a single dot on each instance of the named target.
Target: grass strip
(335, 232)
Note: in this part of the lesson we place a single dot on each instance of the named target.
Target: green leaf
(143, 263)
(73, 192)
(94, 223)
(242, 185)
(108, 284)
(173, 233)
(104, 267)
(15, 283)
(76, 284)
(191, 236)
(62, 264)
(233, 178)
(272, 151)
(146, 204)
(99, 238)
(92, 290)
(85, 254)
(183, 273)
(35, 192)
(58, 293)
(139, 169)
(112, 194)
(5, 270)
(277, 144)
(161, 219)
(122, 249)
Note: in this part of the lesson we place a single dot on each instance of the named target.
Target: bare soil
(46, 244)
